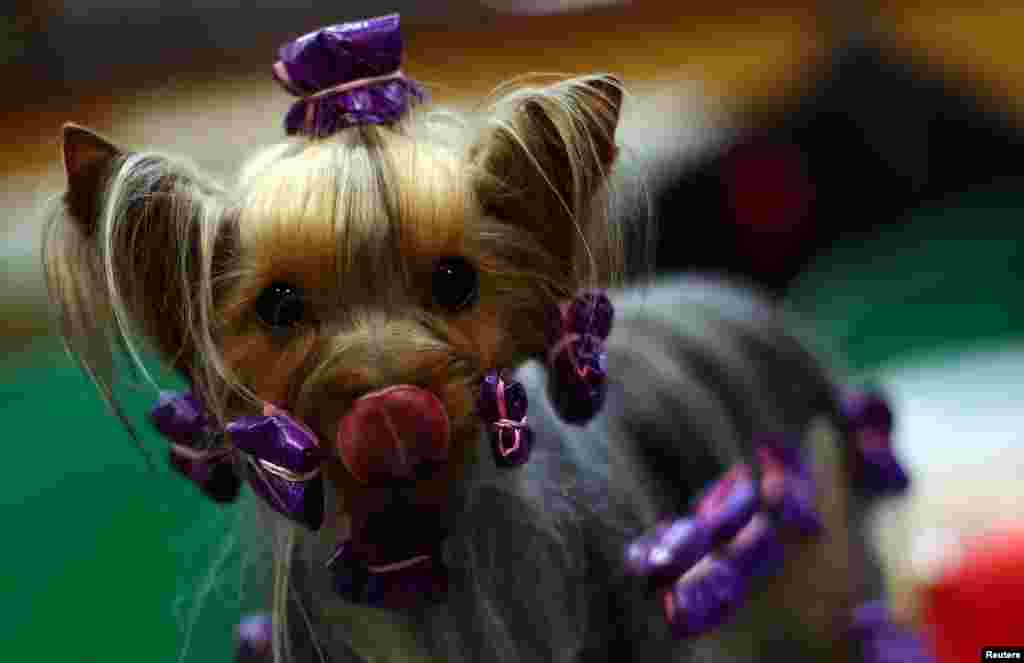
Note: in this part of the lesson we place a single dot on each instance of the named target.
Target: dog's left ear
(545, 158)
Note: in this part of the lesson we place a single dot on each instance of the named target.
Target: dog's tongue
(400, 432)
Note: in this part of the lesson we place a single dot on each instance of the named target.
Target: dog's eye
(280, 305)
(455, 284)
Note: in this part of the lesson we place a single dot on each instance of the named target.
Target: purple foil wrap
(181, 418)
(590, 313)
(876, 472)
(728, 505)
(340, 54)
(714, 590)
(670, 550)
(398, 589)
(757, 551)
(788, 486)
(301, 501)
(705, 564)
(579, 379)
(577, 361)
(217, 479)
(867, 409)
(291, 484)
(502, 404)
(880, 474)
(279, 439)
(706, 599)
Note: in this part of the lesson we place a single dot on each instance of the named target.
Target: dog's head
(363, 282)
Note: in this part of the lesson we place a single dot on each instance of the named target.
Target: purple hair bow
(278, 455)
(346, 75)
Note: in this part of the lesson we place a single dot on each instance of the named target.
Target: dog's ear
(88, 160)
(129, 249)
(544, 160)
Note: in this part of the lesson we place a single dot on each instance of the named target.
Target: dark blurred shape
(876, 137)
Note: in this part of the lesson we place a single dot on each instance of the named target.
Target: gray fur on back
(696, 368)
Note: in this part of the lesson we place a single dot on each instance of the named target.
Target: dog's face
(364, 283)
(366, 307)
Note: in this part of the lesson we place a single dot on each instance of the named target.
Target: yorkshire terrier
(385, 292)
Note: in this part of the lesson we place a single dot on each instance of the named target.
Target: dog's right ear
(89, 159)
(132, 250)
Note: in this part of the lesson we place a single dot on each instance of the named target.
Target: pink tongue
(391, 433)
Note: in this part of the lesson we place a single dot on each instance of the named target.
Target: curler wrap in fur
(877, 471)
(281, 456)
(577, 360)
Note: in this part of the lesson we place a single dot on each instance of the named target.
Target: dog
(391, 266)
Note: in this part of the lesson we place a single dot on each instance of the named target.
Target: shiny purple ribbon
(705, 563)
(346, 75)
(876, 470)
(279, 456)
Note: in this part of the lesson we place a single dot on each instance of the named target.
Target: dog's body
(537, 553)
(316, 282)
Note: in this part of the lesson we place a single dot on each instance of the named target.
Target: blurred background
(861, 161)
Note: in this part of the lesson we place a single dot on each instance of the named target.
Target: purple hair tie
(876, 471)
(284, 465)
(346, 75)
(281, 455)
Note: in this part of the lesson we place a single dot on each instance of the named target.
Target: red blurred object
(770, 198)
(978, 601)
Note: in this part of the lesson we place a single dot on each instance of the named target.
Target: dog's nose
(400, 432)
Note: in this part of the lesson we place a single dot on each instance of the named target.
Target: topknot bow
(346, 75)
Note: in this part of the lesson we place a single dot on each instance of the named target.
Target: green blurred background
(906, 260)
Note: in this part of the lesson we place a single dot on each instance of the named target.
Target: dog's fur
(144, 247)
